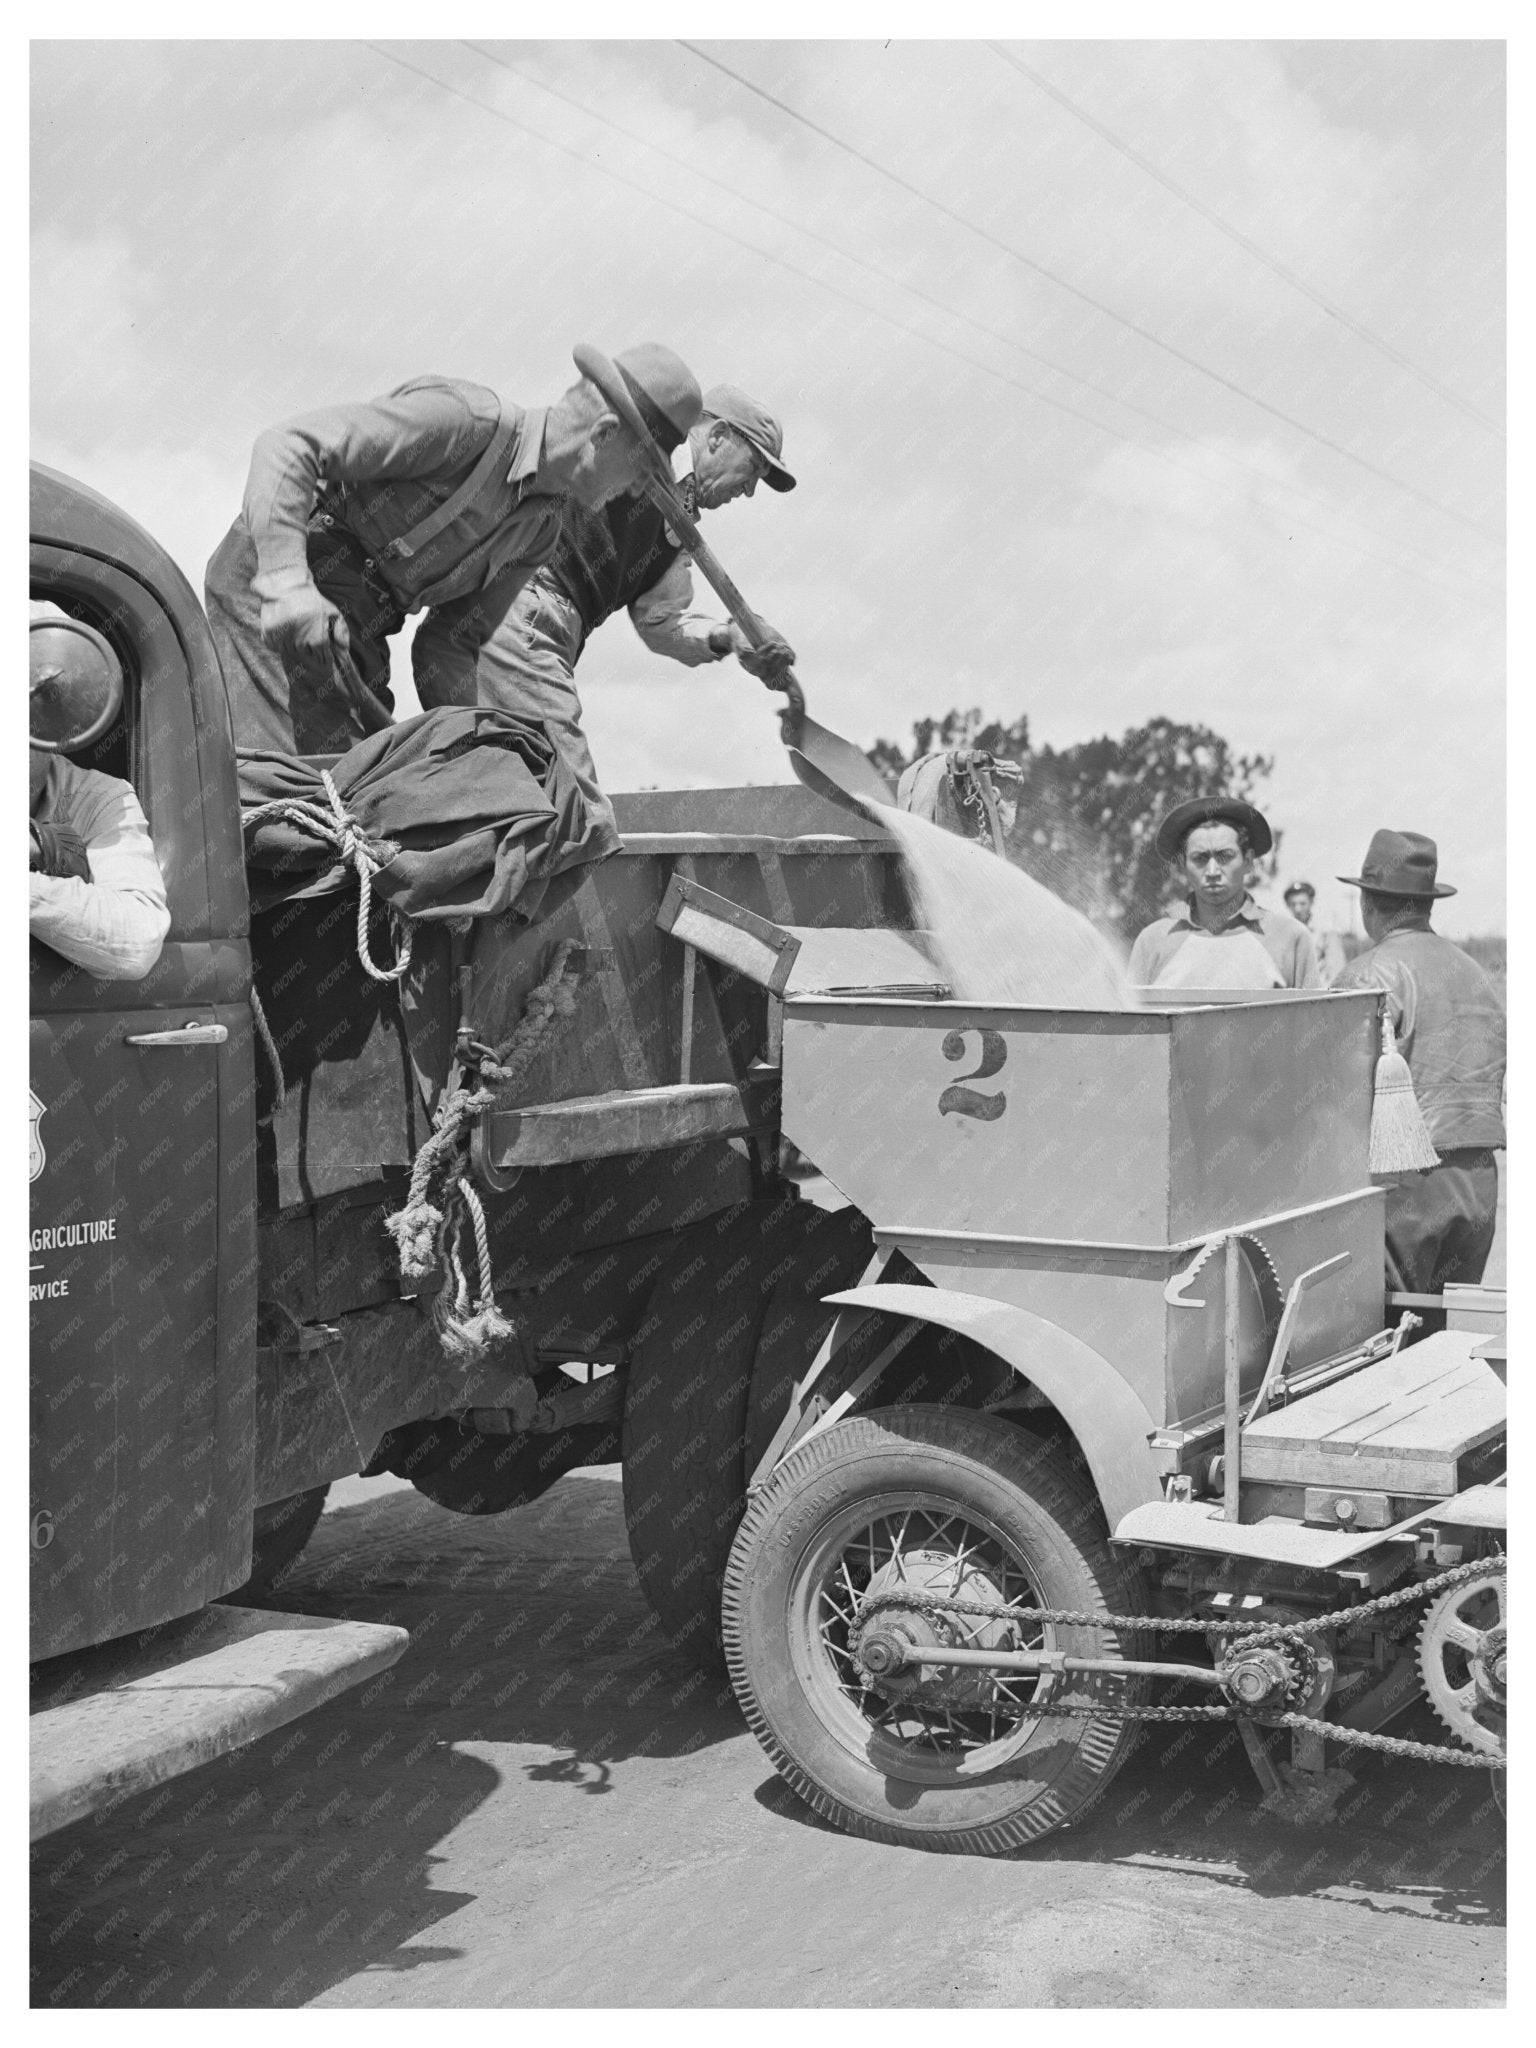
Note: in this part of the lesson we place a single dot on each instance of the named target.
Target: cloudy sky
(1275, 508)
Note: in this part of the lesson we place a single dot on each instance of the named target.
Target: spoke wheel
(934, 1502)
(1463, 1644)
(920, 1725)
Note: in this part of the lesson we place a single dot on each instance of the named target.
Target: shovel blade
(837, 769)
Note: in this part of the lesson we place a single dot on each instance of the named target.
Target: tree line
(1083, 817)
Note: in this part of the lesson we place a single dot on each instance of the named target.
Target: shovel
(354, 692)
(823, 760)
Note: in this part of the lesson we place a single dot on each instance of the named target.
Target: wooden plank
(627, 1120)
(780, 908)
(781, 810)
(825, 845)
(592, 911)
(733, 945)
(1399, 1426)
(754, 946)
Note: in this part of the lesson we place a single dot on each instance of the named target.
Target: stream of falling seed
(1001, 936)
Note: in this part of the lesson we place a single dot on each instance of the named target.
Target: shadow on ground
(320, 1857)
(1419, 1839)
(310, 1856)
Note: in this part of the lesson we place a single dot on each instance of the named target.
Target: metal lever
(189, 1034)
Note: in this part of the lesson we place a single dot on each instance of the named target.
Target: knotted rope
(368, 857)
(269, 1043)
(428, 1232)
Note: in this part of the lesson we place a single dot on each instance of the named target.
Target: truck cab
(142, 1244)
(142, 1235)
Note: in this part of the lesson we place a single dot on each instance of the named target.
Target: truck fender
(1104, 1415)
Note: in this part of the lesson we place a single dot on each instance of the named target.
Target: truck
(1082, 1359)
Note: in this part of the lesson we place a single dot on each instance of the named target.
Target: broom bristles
(1400, 1140)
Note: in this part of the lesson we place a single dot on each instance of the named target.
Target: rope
(468, 1333)
(264, 1033)
(339, 829)
(428, 1229)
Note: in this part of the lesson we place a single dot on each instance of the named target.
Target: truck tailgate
(114, 1721)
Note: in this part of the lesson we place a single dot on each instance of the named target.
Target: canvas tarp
(472, 813)
(473, 807)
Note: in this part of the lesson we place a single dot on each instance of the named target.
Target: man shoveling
(439, 496)
(626, 557)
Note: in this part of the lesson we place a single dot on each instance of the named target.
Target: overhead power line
(1272, 263)
(987, 369)
(942, 305)
(1098, 305)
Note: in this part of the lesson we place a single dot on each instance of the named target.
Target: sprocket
(1462, 1653)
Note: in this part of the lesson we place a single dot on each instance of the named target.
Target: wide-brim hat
(1212, 810)
(755, 423)
(1400, 864)
(652, 390)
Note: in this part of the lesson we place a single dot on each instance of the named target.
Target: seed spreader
(1113, 1427)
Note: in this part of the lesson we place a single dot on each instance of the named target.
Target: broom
(1400, 1140)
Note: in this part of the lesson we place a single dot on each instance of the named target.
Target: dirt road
(540, 1805)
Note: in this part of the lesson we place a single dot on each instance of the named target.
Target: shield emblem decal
(37, 1157)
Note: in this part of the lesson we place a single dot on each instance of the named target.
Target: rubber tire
(1027, 1490)
(279, 1532)
(685, 1414)
(837, 1249)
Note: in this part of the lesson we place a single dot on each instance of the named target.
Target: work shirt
(1450, 1029)
(385, 465)
(666, 621)
(113, 925)
(1331, 958)
(625, 557)
(1259, 948)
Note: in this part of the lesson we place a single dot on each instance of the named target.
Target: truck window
(155, 687)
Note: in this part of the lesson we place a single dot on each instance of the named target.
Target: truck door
(142, 1160)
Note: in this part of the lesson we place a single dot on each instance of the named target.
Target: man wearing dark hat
(1300, 898)
(1223, 939)
(439, 497)
(624, 557)
(1449, 1025)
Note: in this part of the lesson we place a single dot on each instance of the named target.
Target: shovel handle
(664, 496)
(350, 686)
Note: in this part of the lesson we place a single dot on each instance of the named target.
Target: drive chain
(1267, 1631)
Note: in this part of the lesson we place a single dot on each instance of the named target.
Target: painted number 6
(963, 1101)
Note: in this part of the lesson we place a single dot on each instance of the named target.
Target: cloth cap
(652, 390)
(1400, 864)
(1300, 889)
(755, 423)
(1212, 810)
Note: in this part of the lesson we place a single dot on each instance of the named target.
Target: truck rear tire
(685, 1414)
(838, 1246)
(959, 1504)
(279, 1533)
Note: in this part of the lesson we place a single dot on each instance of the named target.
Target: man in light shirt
(624, 558)
(1224, 940)
(97, 893)
(1331, 961)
